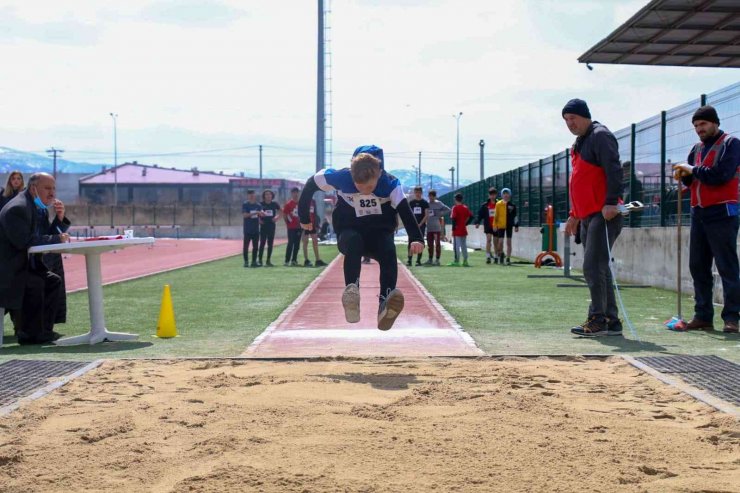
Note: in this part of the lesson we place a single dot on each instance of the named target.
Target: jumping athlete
(365, 220)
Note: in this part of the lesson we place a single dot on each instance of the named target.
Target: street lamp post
(115, 157)
(457, 152)
(482, 145)
(452, 177)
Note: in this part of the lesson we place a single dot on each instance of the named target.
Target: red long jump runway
(140, 261)
(314, 325)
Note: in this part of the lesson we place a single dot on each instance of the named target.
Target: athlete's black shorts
(309, 233)
(510, 232)
(499, 233)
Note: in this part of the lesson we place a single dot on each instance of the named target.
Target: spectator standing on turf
(499, 230)
(595, 186)
(28, 288)
(295, 233)
(435, 224)
(486, 213)
(461, 217)
(270, 215)
(312, 233)
(512, 221)
(252, 211)
(419, 207)
(711, 173)
(13, 187)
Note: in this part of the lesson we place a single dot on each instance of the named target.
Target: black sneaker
(390, 308)
(254, 265)
(495, 260)
(307, 263)
(246, 264)
(293, 263)
(508, 261)
(429, 262)
(408, 262)
(286, 264)
(614, 327)
(351, 303)
(593, 327)
(501, 259)
(269, 264)
(418, 263)
(320, 263)
(488, 260)
(259, 263)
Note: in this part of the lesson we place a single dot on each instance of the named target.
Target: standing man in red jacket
(595, 187)
(711, 173)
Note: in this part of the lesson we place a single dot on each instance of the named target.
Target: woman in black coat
(13, 187)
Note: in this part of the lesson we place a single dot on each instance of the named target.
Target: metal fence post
(633, 176)
(529, 194)
(663, 194)
(553, 178)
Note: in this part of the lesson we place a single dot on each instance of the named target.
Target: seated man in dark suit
(28, 288)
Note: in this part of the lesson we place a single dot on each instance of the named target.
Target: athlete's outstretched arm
(304, 202)
(409, 221)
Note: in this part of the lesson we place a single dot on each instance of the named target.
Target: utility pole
(262, 188)
(431, 182)
(53, 152)
(419, 180)
(320, 106)
(452, 177)
(482, 145)
(457, 153)
(115, 157)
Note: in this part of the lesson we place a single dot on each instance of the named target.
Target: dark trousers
(596, 264)
(433, 241)
(715, 240)
(267, 235)
(252, 238)
(34, 322)
(423, 229)
(294, 245)
(378, 245)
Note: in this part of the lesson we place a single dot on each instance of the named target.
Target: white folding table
(92, 251)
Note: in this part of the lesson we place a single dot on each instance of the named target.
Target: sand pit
(370, 426)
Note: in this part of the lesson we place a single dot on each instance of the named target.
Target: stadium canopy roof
(686, 33)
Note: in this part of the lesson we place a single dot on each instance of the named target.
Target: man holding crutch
(595, 186)
(712, 175)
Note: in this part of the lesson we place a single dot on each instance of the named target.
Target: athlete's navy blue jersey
(375, 210)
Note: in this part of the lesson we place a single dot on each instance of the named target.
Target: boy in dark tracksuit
(270, 215)
(595, 187)
(365, 222)
(486, 214)
(419, 207)
(252, 213)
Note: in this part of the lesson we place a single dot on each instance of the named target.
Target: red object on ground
(315, 325)
(139, 261)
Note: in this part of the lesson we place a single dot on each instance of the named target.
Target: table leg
(98, 332)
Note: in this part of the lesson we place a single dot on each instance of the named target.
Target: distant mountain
(438, 183)
(27, 162)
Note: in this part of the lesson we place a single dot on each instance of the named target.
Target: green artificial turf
(508, 313)
(220, 307)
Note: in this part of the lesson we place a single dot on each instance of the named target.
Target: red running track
(140, 261)
(314, 325)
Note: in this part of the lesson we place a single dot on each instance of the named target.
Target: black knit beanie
(706, 113)
(577, 107)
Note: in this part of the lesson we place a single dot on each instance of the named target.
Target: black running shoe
(418, 263)
(320, 263)
(254, 265)
(390, 308)
(488, 260)
(269, 264)
(307, 263)
(593, 327)
(408, 262)
(614, 327)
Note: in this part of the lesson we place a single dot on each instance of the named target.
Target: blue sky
(194, 75)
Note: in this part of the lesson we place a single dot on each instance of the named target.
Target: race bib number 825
(367, 205)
